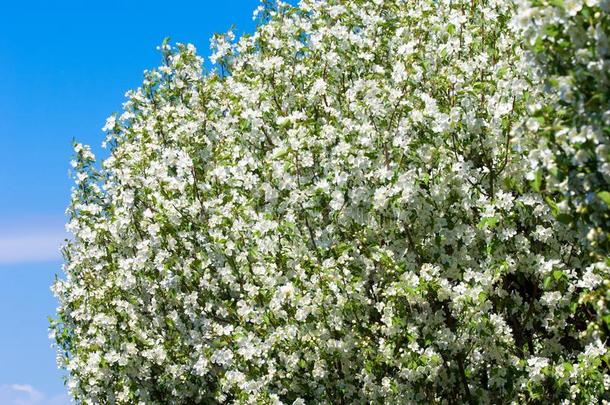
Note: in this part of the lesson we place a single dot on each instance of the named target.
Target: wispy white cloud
(30, 240)
(25, 394)
(20, 394)
(36, 247)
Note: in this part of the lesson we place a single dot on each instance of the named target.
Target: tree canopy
(385, 201)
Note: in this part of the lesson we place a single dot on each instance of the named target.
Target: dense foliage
(386, 201)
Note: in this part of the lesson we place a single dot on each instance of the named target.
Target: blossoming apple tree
(366, 201)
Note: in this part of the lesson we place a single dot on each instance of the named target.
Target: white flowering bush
(572, 160)
(387, 201)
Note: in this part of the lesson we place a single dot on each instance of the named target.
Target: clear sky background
(64, 67)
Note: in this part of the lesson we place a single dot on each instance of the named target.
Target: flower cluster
(570, 43)
(369, 201)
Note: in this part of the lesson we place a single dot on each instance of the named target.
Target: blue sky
(64, 67)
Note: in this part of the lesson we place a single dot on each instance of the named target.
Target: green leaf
(537, 182)
(490, 248)
(565, 218)
(553, 205)
(488, 222)
(605, 197)
(502, 71)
